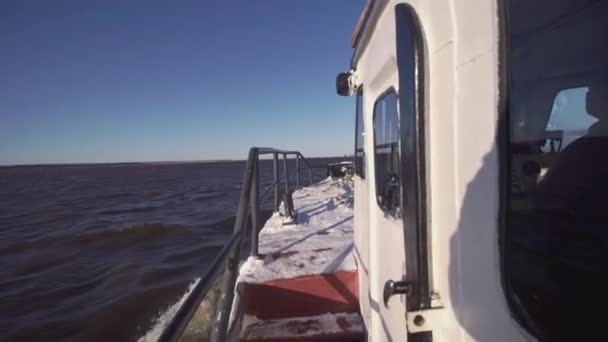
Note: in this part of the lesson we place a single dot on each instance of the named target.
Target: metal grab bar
(249, 204)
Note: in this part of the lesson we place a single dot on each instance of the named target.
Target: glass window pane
(359, 137)
(386, 154)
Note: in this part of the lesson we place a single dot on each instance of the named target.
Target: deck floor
(320, 242)
(304, 286)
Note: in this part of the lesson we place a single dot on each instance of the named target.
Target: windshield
(557, 217)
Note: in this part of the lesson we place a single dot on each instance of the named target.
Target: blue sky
(114, 81)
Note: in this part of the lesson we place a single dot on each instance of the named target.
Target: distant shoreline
(143, 162)
(124, 163)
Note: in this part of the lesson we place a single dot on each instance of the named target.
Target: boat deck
(304, 285)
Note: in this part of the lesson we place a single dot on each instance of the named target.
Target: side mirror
(343, 85)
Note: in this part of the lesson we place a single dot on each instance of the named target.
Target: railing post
(275, 163)
(297, 171)
(309, 175)
(287, 199)
(286, 172)
(255, 208)
(224, 304)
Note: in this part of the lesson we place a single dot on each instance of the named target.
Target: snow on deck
(341, 324)
(321, 240)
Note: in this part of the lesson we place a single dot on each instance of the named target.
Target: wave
(113, 195)
(162, 321)
(203, 197)
(138, 209)
(136, 232)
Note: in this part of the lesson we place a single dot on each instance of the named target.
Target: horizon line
(159, 162)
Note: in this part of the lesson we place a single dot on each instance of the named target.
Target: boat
(476, 206)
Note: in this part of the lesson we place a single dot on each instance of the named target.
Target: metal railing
(249, 205)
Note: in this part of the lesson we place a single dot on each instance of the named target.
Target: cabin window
(386, 154)
(359, 137)
(556, 232)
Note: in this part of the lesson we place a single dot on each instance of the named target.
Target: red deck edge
(309, 295)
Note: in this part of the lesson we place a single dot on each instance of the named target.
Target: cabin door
(387, 237)
(399, 281)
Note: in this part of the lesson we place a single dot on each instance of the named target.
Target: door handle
(392, 287)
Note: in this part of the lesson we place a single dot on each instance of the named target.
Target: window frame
(391, 90)
(359, 161)
(503, 139)
(503, 135)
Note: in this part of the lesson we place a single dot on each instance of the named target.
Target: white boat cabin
(481, 177)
